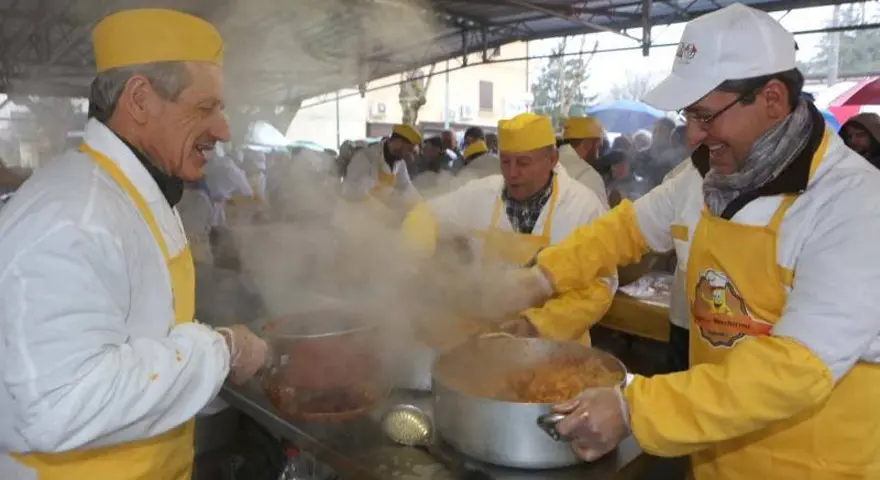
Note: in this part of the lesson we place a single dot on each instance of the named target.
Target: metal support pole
(646, 27)
(338, 133)
(446, 121)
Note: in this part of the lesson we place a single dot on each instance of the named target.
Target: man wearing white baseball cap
(778, 244)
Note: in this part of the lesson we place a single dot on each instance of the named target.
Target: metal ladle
(410, 426)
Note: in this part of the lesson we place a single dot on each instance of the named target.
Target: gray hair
(168, 79)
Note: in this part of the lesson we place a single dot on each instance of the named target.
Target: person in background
(103, 366)
(492, 143)
(473, 134)
(449, 140)
(623, 182)
(861, 133)
(582, 139)
(507, 218)
(623, 144)
(435, 158)
(478, 161)
(379, 172)
(642, 140)
(780, 239)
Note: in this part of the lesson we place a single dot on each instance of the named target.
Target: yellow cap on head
(525, 132)
(408, 132)
(475, 147)
(150, 35)
(582, 127)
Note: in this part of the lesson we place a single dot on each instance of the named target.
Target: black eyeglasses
(704, 120)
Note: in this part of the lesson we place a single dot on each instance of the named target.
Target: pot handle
(547, 422)
(496, 335)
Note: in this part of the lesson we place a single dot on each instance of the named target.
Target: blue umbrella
(624, 116)
(831, 120)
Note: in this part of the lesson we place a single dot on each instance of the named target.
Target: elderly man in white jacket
(582, 141)
(103, 367)
(508, 218)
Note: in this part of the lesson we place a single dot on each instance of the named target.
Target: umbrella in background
(624, 116)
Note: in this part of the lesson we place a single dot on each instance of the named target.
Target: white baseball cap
(732, 43)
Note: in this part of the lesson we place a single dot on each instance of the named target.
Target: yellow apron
(168, 456)
(379, 200)
(735, 294)
(514, 248)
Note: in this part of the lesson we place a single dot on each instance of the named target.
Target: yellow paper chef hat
(408, 132)
(150, 35)
(474, 148)
(582, 127)
(525, 132)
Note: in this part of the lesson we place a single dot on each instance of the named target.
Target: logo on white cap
(686, 52)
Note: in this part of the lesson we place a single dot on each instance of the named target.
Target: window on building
(487, 96)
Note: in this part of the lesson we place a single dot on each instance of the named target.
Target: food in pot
(556, 380)
(327, 366)
(323, 404)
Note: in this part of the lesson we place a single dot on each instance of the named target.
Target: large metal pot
(326, 365)
(496, 431)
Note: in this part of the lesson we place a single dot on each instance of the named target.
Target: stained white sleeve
(76, 375)
(655, 212)
(834, 308)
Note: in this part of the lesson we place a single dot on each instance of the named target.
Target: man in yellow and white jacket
(508, 218)
(378, 172)
(782, 270)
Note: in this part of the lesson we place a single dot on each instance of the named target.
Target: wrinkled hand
(597, 421)
(248, 353)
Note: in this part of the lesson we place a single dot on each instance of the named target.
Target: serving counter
(642, 308)
(358, 450)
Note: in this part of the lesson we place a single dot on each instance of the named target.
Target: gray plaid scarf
(771, 153)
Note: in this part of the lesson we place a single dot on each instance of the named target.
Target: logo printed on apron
(720, 312)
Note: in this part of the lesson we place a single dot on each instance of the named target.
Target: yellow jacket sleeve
(569, 316)
(420, 228)
(612, 239)
(682, 413)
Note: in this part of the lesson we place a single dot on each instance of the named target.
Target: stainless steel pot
(494, 431)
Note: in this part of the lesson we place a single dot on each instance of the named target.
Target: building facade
(480, 94)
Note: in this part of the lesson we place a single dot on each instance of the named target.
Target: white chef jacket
(89, 341)
(481, 166)
(679, 310)
(828, 238)
(363, 173)
(580, 170)
(470, 208)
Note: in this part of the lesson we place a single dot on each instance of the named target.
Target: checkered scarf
(523, 215)
(771, 153)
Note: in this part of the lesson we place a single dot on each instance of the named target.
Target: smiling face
(177, 133)
(728, 126)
